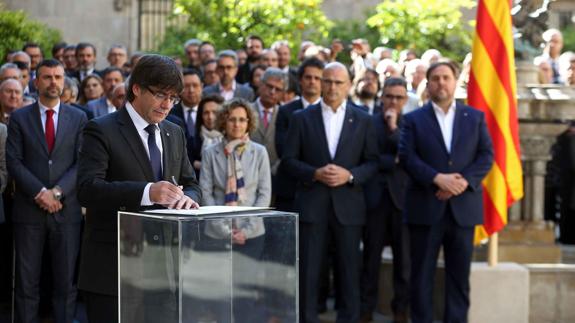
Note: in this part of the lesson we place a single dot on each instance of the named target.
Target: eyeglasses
(172, 100)
(273, 88)
(392, 97)
(238, 120)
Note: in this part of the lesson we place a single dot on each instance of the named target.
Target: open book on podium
(213, 264)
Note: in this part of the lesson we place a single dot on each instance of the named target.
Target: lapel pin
(167, 134)
(465, 114)
(350, 120)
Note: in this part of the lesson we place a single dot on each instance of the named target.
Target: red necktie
(50, 137)
(265, 118)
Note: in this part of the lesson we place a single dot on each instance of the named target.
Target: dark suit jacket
(32, 167)
(113, 171)
(76, 74)
(285, 184)
(243, 91)
(244, 71)
(88, 112)
(3, 169)
(390, 177)
(423, 153)
(306, 150)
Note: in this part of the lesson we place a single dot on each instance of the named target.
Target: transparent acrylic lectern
(239, 266)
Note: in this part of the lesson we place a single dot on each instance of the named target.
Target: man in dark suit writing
(331, 151)
(446, 149)
(126, 164)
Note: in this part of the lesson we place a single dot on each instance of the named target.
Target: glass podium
(239, 266)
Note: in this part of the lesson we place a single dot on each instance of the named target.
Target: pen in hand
(176, 183)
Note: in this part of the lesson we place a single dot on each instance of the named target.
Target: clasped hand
(171, 196)
(46, 201)
(449, 185)
(332, 175)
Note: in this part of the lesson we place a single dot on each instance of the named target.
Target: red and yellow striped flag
(492, 89)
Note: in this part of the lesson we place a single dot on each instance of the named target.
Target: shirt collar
(186, 108)
(233, 87)
(438, 109)
(325, 107)
(261, 107)
(306, 103)
(137, 119)
(44, 108)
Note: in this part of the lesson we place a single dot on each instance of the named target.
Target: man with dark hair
(366, 91)
(36, 56)
(86, 60)
(58, 51)
(384, 196)
(187, 109)
(209, 72)
(69, 58)
(102, 106)
(446, 150)
(331, 151)
(254, 49)
(228, 87)
(206, 51)
(127, 162)
(42, 151)
(309, 76)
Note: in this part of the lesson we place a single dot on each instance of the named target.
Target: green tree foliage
(424, 24)
(348, 30)
(16, 29)
(227, 23)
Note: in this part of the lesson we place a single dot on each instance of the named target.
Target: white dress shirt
(111, 107)
(194, 113)
(43, 110)
(228, 95)
(445, 121)
(306, 103)
(333, 123)
(141, 125)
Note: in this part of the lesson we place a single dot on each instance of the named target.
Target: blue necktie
(190, 124)
(155, 155)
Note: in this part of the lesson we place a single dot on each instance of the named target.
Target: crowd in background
(236, 108)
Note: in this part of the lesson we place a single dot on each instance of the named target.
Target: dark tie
(50, 137)
(155, 155)
(190, 124)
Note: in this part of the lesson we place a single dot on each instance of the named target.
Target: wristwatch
(57, 191)
(350, 179)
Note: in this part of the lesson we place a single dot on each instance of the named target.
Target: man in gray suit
(228, 88)
(42, 151)
(270, 92)
(111, 76)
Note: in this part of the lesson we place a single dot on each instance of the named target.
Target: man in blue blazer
(111, 76)
(446, 149)
(331, 151)
(42, 153)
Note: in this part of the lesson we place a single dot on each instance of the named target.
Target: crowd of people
(371, 154)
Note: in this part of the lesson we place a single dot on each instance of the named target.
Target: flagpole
(492, 250)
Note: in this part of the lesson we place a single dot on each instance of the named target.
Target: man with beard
(254, 49)
(102, 106)
(228, 87)
(86, 60)
(366, 91)
(42, 150)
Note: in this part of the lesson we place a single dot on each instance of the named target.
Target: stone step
(532, 233)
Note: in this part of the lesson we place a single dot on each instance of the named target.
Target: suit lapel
(168, 145)
(130, 134)
(320, 129)
(435, 129)
(347, 131)
(36, 123)
(63, 125)
(457, 123)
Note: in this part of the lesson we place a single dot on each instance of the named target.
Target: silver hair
(8, 66)
(72, 85)
(275, 73)
(192, 42)
(229, 53)
(279, 43)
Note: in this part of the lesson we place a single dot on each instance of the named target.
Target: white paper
(206, 210)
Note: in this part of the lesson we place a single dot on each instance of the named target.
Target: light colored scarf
(235, 185)
(210, 137)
